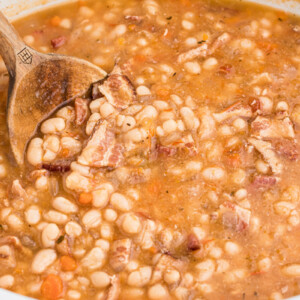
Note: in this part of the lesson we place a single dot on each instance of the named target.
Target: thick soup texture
(178, 176)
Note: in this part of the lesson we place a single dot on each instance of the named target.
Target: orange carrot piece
(85, 198)
(52, 287)
(55, 21)
(68, 263)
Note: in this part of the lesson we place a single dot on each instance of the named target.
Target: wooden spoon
(38, 84)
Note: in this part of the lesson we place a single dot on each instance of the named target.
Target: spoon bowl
(39, 84)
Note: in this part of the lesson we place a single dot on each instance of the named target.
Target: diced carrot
(205, 36)
(185, 2)
(233, 20)
(131, 27)
(65, 152)
(257, 273)
(55, 21)
(81, 2)
(140, 58)
(281, 15)
(52, 287)
(163, 93)
(154, 187)
(68, 263)
(121, 41)
(267, 47)
(153, 250)
(85, 198)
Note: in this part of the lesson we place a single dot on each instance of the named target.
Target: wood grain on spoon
(38, 84)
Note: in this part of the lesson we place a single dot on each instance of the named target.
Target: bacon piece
(234, 216)
(288, 149)
(136, 19)
(102, 150)
(59, 166)
(193, 243)
(81, 111)
(264, 181)
(226, 70)
(219, 42)
(114, 289)
(237, 109)
(17, 190)
(203, 50)
(266, 128)
(95, 88)
(207, 126)
(266, 149)
(58, 42)
(118, 89)
(121, 250)
(166, 150)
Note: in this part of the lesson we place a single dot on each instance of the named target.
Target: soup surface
(178, 176)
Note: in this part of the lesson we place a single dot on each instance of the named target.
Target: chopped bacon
(120, 254)
(264, 181)
(200, 51)
(118, 89)
(219, 42)
(288, 149)
(136, 19)
(234, 216)
(193, 243)
(58, 42)
(81, 110)
(114, 289)
(226, 71)
(276, 128)
(166, 150)
(266, 149)
(17, 190)
(59, 166)
(102, 150)
(237, 109)
(254, 104)
(95, 88)
(203, 50)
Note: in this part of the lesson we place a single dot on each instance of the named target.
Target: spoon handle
(15, 53)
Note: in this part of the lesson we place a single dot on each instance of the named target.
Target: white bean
(49, 235)
(213, 173)
(35, 152)
(192, 67)
(131, 224)
(205, 270)
(92, 218)
(158, 291)
(32, 215)
(120, 202)
(73, 229)
(42, 260)
(291, 270)
(100, 279)
(53, 125)
(55, 217)
(94, 259)
(140, 278)
(232, 248)
(6, 281)
(64, 205)
(143, 91)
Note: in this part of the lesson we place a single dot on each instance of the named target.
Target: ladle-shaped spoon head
(39, 83)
